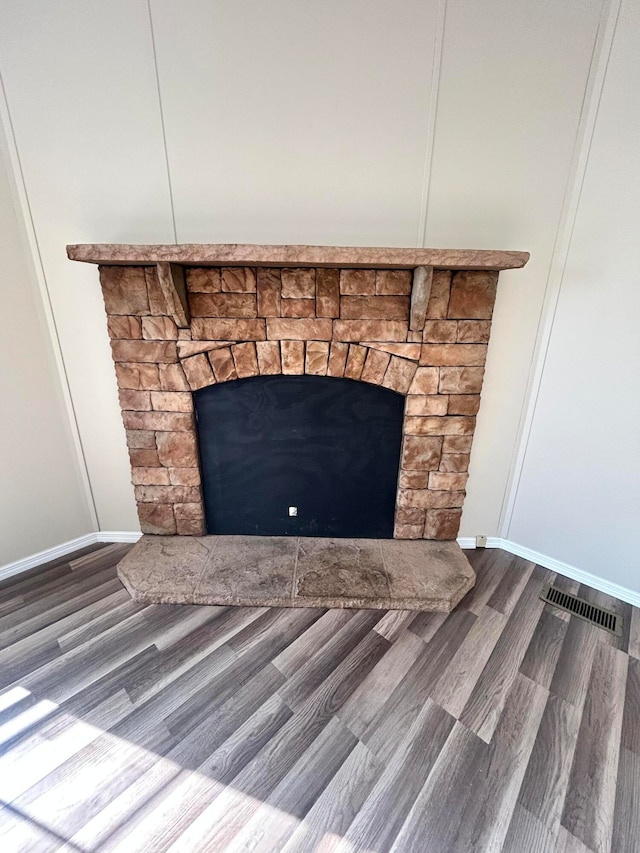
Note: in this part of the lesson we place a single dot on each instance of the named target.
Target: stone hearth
(181, 318)
(282, 571)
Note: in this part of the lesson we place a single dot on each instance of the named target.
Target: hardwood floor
(504, 726)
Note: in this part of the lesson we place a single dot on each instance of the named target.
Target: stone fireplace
(414, 321)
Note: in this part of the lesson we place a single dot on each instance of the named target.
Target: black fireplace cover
(299, 456)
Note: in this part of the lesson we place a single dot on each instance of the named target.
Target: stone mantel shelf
(246, 254)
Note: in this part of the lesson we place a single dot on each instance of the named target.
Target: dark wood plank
(383, 813)
(403, 706)
(590, 800)
(545, 782)
(539, 662)
(339, 803)
(483, 710)
(626, 819)
(468, 799)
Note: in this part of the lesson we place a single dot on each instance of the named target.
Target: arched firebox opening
(299, 456)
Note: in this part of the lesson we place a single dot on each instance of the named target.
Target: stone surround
(177, 329)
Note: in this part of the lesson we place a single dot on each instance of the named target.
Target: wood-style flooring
(504, 726)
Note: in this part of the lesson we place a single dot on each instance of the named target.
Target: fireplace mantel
(247, 254)
(416, 322)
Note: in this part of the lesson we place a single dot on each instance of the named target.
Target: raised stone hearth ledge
(271, 571)
(245, 254)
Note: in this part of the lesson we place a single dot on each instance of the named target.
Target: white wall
(42, 500)
(435, 122)
(579, 494)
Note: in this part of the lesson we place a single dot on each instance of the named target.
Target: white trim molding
(566, 569)
(111, 536)
(49, 554)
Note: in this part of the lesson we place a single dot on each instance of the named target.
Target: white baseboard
(569, 571)
(566, 569)
(65, 548)
(117, 536)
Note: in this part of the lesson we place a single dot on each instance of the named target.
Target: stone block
(454, 462)
(203, 279)
(474, 331)
(429, 499)
(298, 283)
(439, 426)
(245, 359)
(143, 377)
(425, 381)
(461, 380)
(299, 330)
(159, 329)
(124, 290)
(442, 524)
(198, 371)
(177, 449)
(440, 331)
(157, 300)
(141, 439)
(454, 482)
(411, 351)
(144, 351)
(124, 326)
(299, 308)
(224, 305)
(157, 519)
(171, 401)
(154, 476)
(167, 494)
(184, 476)
(399, 374)
(413, 479)
(421, 404)
(292, 357)
(457, 443)
(355, 362)
(374, 308)
(327, 293)
(420, 295)
(222, 363)
(473, 294)
(189, 519)
(421, 453)
(408, 531)
(393, 282)
(161, 421)
(184, 334)
(238, 280)
(268, 354)
(172, 377)
(464, 404)
(144, 457)
(369, 330)
(187, 348)
(414, 336)
(135, 401)
(268, 292)
(316, 359)
(439, 298)
(375, 366)
(211, 329)
(453, 354)
(337, 359)
(410, 515)
(357, 282)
